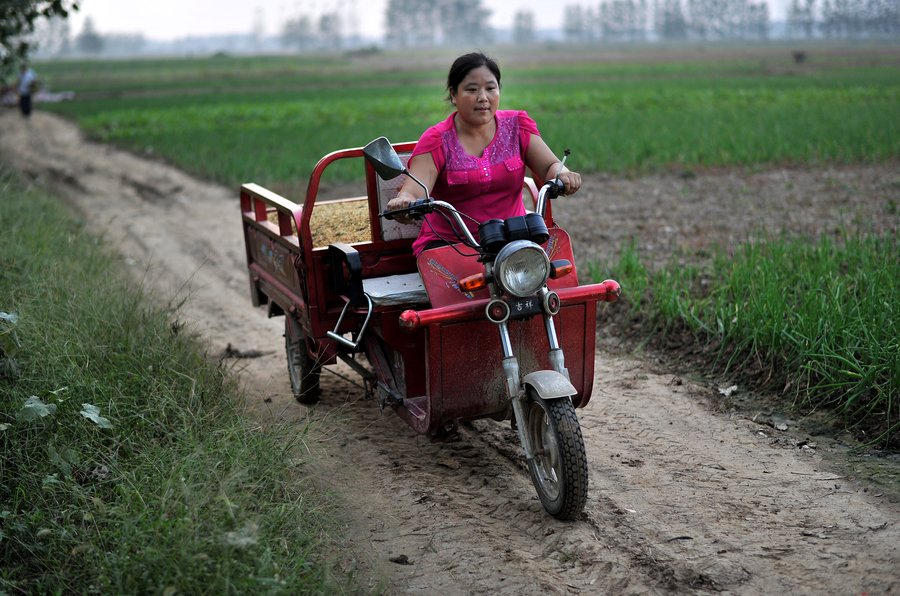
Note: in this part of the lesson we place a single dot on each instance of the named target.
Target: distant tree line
(26, 25)
(53, 37)
(634, 20)
(844, 18)
(408, 23)
(305, 33)
(637, 20)
(432, 22)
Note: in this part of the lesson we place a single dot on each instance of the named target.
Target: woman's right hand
(402, 201)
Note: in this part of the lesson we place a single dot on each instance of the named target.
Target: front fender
(549, 384)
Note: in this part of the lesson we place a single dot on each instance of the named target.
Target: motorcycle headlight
(521, 268)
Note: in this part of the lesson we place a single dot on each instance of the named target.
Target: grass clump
(817, 319)
(126, 465)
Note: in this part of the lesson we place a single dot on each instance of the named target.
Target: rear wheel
(303, 370)
(559, 468)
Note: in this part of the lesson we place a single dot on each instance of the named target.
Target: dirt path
(682, 498)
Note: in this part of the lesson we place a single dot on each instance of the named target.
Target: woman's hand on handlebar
(404, 200)
(571, 181)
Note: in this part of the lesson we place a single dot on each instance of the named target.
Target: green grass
(182, 493)
(818, 320)
(270, 119)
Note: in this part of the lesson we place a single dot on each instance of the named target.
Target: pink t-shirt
(483, 187)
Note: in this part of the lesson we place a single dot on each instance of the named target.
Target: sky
(166, 20)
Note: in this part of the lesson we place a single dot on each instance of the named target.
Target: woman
(476, 158)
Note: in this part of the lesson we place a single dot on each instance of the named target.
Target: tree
(801, 18)
(670, 21)
(297, 33)
(623, 19)
(523, 27)
(330, 30)
(17, 18)
(425, 22)
(123, 44)
(411, 22)
(258, 29)
(575, 25)
(52, 37)
(89, 41)
(464, 21)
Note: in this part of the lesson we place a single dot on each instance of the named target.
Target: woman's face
(477, 97)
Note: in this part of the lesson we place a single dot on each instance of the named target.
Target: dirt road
(683, 497)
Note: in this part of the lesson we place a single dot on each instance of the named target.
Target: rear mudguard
(549, 384)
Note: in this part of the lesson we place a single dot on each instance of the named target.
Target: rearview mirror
(384, 159)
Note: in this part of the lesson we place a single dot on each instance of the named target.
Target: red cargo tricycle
(474, 329)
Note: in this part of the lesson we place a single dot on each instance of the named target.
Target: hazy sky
(172, 19)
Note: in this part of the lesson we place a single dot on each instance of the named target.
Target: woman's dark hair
(465, 64)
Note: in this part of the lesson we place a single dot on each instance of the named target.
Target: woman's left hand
(571, 180)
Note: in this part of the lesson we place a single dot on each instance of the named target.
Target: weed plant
(126, 465)
(819, 320)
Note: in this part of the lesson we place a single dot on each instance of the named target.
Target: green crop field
(269, 119)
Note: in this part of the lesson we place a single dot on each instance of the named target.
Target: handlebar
(551, 189)
(416, 210)
(423, 206)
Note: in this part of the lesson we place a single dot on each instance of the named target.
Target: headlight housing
(521, 268)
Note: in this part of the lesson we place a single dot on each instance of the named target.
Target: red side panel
(472, 381)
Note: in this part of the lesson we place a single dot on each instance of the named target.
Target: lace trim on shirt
(504, 146)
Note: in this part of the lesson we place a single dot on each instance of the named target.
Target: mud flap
(546, 385)
(549, 384)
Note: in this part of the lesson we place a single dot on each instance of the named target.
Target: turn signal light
(473, 282)
(560, 268)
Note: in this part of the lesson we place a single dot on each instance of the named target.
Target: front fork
(514, 385)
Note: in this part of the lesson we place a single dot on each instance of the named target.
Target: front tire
(303, 370)
(559, 468)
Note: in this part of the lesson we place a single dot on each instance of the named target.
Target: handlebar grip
(415, 210)
(556, 188)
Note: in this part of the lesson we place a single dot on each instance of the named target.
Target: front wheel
(303, 370)
(559, 468)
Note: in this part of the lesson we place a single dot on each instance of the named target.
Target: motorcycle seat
(395, 290)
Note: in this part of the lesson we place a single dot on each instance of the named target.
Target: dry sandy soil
(687, 494)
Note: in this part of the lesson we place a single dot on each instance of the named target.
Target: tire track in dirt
(681, 498)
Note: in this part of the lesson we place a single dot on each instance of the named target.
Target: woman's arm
(541, 160)
(422, 167)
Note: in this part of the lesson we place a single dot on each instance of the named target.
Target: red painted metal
(442, 268)
(443, 360)
(474, 309)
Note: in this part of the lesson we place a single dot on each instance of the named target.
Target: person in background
(25, 87)
(476, 158)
